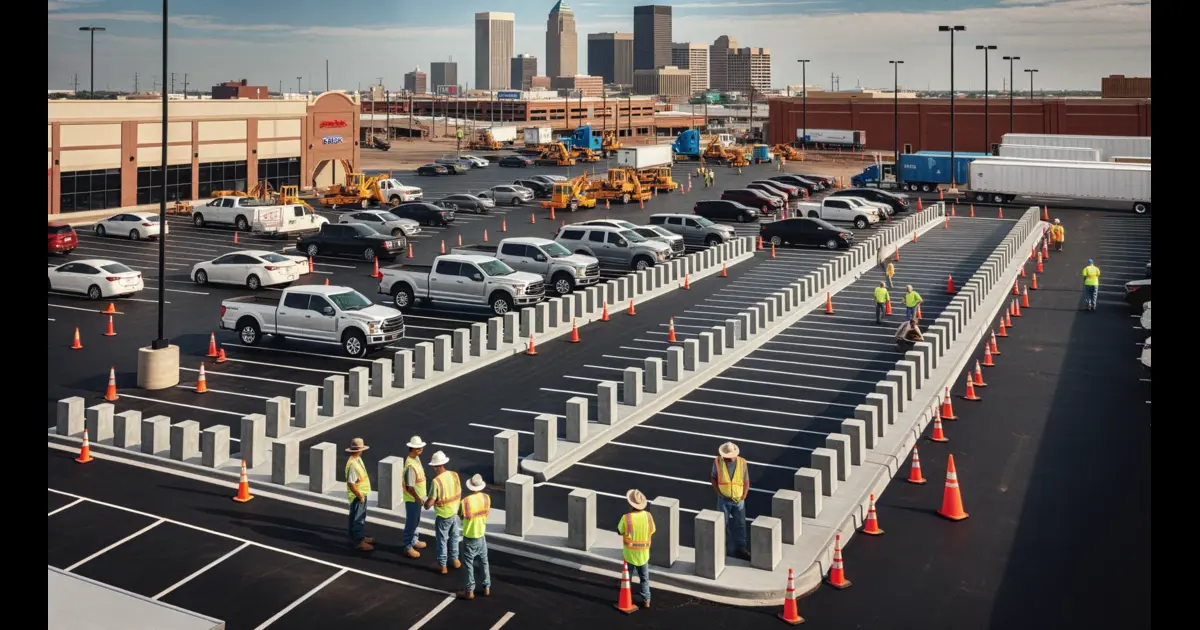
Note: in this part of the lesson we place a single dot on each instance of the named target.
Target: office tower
(651, 36)
(694, 58)
(665, 81)
(718, 62)
(610, 55)
(524, 68)
(442, 73)
(749, 68)
(493, 49)
(562, 43)
(415, 82)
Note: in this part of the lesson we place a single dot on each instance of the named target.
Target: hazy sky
(1071, 42)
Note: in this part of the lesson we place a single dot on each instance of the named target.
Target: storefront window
(280, 171)
(90, 190)
(150, 181)
(221, 176)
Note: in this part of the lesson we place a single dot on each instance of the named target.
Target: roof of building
(561, 7)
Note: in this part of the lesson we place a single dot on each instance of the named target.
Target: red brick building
(239, 89)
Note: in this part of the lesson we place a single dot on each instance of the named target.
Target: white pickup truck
(557, 266)
(843, 210)
(321, 313)
(251, 215)
(460, 279)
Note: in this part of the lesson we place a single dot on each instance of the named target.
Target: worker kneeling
(908, 334)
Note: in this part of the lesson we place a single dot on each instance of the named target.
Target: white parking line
(246, 376)
(201, 571)
(768, 396)
(226, 393)
(282, 366)
(300, 600)
(464, 448)
(531, 413)
(50, 319)
(733, 439)
(150, 288)
(704, 455)
(175, 404)
(816, 365)
(113, 546)
(668, 477)
(306, 354)
(752, 409)
(567, 391)
(433, 613)
(71, 504)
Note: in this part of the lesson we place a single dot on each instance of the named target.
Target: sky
(1072, 43)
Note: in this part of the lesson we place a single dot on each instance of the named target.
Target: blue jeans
(909, 312)
(475, 550)
(1089, 295)
(643, 576)
(448, 530)
(412, 519)
(735, 523)
(358, 521)
(880, 309)
(889, 281)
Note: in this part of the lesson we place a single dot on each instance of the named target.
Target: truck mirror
(540, 258)
(622, 244)
(477, 277)
(327, 311)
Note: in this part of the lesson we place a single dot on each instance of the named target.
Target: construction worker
(731, 481)
(358, 488)
(881, 299)
(779, 164)
(636, 528)
(712, 178)
(446, 495)
(1091, 285)
(912, 300)
(474, 510)
(890, 271)
(414, 496)
(1058, 234)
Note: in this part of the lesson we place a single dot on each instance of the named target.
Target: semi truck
(837, 138)
(689, 145)
(1001, 181)
(1028, 151)
(924, 171)
(1108, 146)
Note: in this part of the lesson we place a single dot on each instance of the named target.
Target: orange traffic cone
(1024, 299)
(871, 524)
(531, 349)
(235, 240)
(604, 313)
(918, 313)
(606, 205)
(896, 254)
(642, 204)
(110, 393)
(914, 236)
(375, 272)
(310, 265)
(939, 434)
(970, 393)
(687, 283)
(243, 494)
(790, 614)
(1003, 329)
(485, 238)
(947, 407)
(1008, 320)
(945, 225)
(952, 507)
(914, 471)
(772, 250)
(532, 218)
(972, 211)
(630, 310)
(212, 345)
(724, 273)
(75, 345)
(1039, 267)
(671, 331)
(828, 304)
(1045, 251)
(202, 382)
(760, 243)
(953, 212)
(410, 251)
(979, 375)
(837, 573)
(503, 225)
(625, 599)
(221, 356)
(995, 347)
(552, 217)
(1033, 283)
(950, 285)
(111, 309)
(1015, 290)
(326, 281)
(85, 451)
(987, 355)
(1021, 274)
(941, 195)
(1045, 213)
(110, 332)
(443, 250)
(887, 307)
(574, 332)
(920, 207)
(1000, 213)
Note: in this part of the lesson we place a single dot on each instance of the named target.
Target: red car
(61, 238)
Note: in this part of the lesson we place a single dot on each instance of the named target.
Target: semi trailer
(924, 171)
(1037, 152)
(1001, 181)
(1108, 146)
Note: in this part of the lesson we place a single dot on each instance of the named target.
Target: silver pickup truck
(462, 280)
(557, 266)
(330, 314)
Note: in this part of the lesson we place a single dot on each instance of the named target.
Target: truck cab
(562, 270)
(394, 192)
(464, 280)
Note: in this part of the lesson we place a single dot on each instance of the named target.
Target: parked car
(382, 221)
(96, 278)
(725, 210)
(515, 161)
(805, 231)
(508, 194)
(792, 193)
(811, 185)
(1137, 293)
(351, 239)
(425, 213)
(897, 202)
(313, 312)
(1147, 269)
(1145, 319)
(61, 238)
(549, 180)
(770, 192)
(450, 161)
(1145, 358)
(843, 210)
(466, 201)
(767, 204)
(559, 268)
(657, 233)
(538, 188)
(613, 246)
(247, 214)
(458, 279)
(433, 169)
(475, 161)
(694, 229)
(254, 269)
(135, 225)
(617, 223)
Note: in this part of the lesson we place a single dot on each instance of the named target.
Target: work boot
(487, 591)
(646, 604)
(418, 545)
(457, 564)
(442, 570)
(364, 546)
(743, 553)
(368, 540)
(467, 594)
(412, 553)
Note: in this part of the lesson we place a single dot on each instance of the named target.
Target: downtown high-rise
(493, 50)
(651, 37)
(562, 42)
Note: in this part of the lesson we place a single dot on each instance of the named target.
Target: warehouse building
(108, 154)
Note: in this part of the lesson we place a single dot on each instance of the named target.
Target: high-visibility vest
(1059, 233)
(911, 298)
(891, 270)
(449, 494)
(364, 481)
(639, 527)
(475, 510)
(1091, 276)
(731, 488)
(881, 295)
(419, 486)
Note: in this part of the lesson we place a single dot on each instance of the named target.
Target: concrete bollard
(127, 429)
(526, 323)
(639, 283)
(441, 354)
(606, 403)
(279, 416)
(518, 505)
(424, 356)
(718, 339)
(99, 422)
(69, 419)
(545, 437)
(478, 338)
(660, 276)
(285, 462)
(460, 345)
(654, 375)
(632, 390)
(825, 460)
(840, 445)
(908, 384)
(748, 328)
(360, 386)
(504, 456)
(765, 312)
(553, 312)
(934, 339)
(156, 436)
(674, 363)
(568, 307)
(856, 431)
(691, 352)
(577, 419)
(807, 481)
(381, 378)
(664, 543)
(710, 544)
(917, 375)
(253, 439)
(758, 315)
(402, 367)
(214, 446)
(306, 406)
(890, 390)
(333, 395)
(766, 543)
(783, 302)
(185, 440)
(732, 332)
(785, 506)
(580, 296)
(704, 347)
(495, 333)
(391, 483)
(925, 350)
(879, 403)
(510, 327)
(591, 300)
(581, 519)
(322, 467)
(541, 317)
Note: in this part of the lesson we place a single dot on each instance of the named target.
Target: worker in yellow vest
(636, 528)
(731, 481)
(881, 300)
(414, 496)
(474, 510)
(1058, 234)
(890, 272)
(912, 300)
(358, 488)
(1091, 285)
(444, 500)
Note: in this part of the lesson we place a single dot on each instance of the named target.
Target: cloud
(732, 4)
(66, 5)
(149, 17)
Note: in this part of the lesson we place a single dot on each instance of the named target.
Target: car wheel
(1141, 208)
(134, 235)
(712, 241)
(980, 197)
(311, 250)
(198, 220)
(395, 200)
(253, 283)
(776, 241)
(831, 244)
(501, 303)
(998, 199)
(397, 232)
(516, 201)
(431, 223)
(94, 293)
(812, 215)
(354, 344)
(403, 298)
(625, 198)
(369, 254)
(642, 263)
(201, 277)
(563, 284)
(741, 218)
(860, 223)
(926, 188)
(248, 332)
(242, 224)
(100, 231)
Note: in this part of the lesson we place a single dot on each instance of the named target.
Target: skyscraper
(694, 58)
(524, 68)
(610, 55)
(749, 68)
(493, 49)
(562, 43)
(415, 82)
(651, 36)
(718, 62)
(442, 73)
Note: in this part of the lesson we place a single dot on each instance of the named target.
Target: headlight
(580, 271)
(371, 328)
(520, 291)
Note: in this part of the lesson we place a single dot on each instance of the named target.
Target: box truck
(537, 136)
(924, 171)
(643, 157)
(1075, 154)
(504, 135)
(1108, 146)
(838, 138)
(1001, 181)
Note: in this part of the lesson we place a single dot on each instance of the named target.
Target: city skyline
(1072, 42)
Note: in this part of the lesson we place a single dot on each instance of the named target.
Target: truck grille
(677, 246)
(395, 324)
(592, 270)
(536, 288)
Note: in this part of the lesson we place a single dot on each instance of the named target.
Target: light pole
(986, 138)
(803, 100)
(1011, 90)
(1031, 71)
(952, 30)
(161, 342)
(895, 114)
(92, 30)
(298, 83)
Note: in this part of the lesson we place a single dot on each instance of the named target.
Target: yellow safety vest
(364, 481)
(475, 513)
(1091, 276)
(911, 298)
(449, 494)
(419, 486)
(731, 488)
(1059, 233)
(636, 529)
(891, 270)
(881, 295)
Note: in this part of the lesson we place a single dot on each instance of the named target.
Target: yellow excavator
(622, 185)
(483, 141)
(571, 195)
(555, 154)
(261, 190)
(359, 190)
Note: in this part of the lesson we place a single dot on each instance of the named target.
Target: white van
(250, 215)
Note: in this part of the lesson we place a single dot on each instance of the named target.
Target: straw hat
(357, 446)
(416, 442)
(1057, 221)
(439, 459)
(475, 484)
(729, 450)
(636, 499)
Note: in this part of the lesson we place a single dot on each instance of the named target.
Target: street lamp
(1031, 71)
(92, 30)
(895, 114)
(803, 99)
(1011, 90)
(298, 84)
(986, 138)
(952, 30)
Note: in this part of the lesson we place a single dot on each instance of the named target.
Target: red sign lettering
(331, 124)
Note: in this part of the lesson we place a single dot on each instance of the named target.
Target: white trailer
(1000, 180)
(648, 156)
(835, 137)
(1108, 146)
(504, 135)
(537, 136)
(1074, 154)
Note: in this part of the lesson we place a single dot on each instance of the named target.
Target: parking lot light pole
(987, 139)
(895, 114)
(1031, 71)
(952, 30)
(803, 100)
(92, 62)
(1011, 90)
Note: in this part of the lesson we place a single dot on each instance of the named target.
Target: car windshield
(555, 250)
(350, 301)
(388, 216)
(703, 222)
(115, 268)
(273, 257)
(496, 268)
(659, 231)
(632, 236)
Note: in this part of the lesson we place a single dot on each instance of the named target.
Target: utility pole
(299, 89)
(75, 89)
(172, 83)
(326, 75)
(135, 82)
(185, 84)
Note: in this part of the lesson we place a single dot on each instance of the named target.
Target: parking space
(1122, 251)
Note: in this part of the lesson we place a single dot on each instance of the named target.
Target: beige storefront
(108, 154)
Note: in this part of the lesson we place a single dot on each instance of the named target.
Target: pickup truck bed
(265, 300)
(485, 250)
(425, 269)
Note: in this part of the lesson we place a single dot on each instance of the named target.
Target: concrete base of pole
(158, 368)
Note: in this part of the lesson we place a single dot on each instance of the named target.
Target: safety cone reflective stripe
(970, 393)
(1039, 267)
(1015, 290)
(837, 572)
(630, 311)
(1033, 282)
(1024, 299)
(979, 375)
(987, 355)
(972, 211)
(948, 407)
(950, 285)
(212, 345)
(871, 524)
(790, 614)
(75, 345)
(1008, 320)
(574, 332)
(85, 451)
(1045, 252)
(310, 264)
(625, 598)
(201, 382)
(111, 309)
(243, 492)
(914, 471)
(725, 274)
(110, 332)
(604, 313)
(952, 506)
(887, 308)
(1003, 329)
(1016, 307)
(939, 434)
(995, 346)
(221, 355)
(443, 250)
(531, 349)
(503, 225)
(110, 393)
(671, 331)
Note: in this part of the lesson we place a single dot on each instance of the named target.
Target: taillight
(271, 268)
(112, 278)
(147, 224)
(223, 308)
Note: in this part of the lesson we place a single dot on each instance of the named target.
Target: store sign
(331, 140)
(508, 96)
(332, 124)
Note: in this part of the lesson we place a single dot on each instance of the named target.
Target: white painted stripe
(800, 400)
(778, 384)
(57, 510)
(175, 404)
(532, 413)
(731, 439)
(299, 601)
(201, 571)
(464, 448)
(283, 367)
(704, 455)
(506, 617)
(113, 546)
(668, 477)
(224, 392)
(246, 376)
(566, 391)
(433, 613)
(751, 409)
(307, 354)
(86, 310)
(620, 497)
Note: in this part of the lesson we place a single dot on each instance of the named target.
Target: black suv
(351, 239)
(425, 213)
(767, 204)
(540, 189)
(725, 210)
(897, 202)
(810, 184)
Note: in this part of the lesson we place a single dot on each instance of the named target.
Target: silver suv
(509, 194)
(613, 246)
(694, 229)
(673, 241)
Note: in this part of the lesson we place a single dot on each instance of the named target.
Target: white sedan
(253, 269)
(135, 225)
(96, 278)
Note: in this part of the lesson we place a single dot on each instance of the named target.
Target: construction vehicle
(365, 192)
(652, 163)
(622, 185)
(584, 154)
(555, 154)
(261, 191)
(290, 195)
(483, 141)
(609, 143)
(658, 178)
(571, 195)
(787, 152)
(716, 152)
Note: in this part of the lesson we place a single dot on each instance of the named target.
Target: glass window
(280, 171)
(89, 190)
(296, 301)
(216, 176)
(150, 182)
